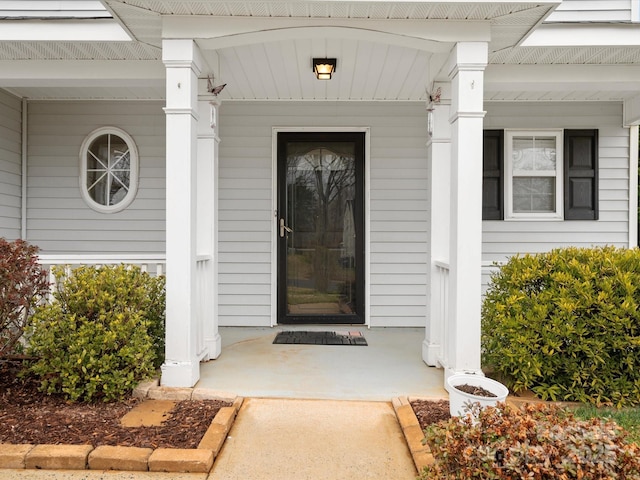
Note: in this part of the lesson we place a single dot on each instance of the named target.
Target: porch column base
(180, 374)
(214, 347)
(430, 353)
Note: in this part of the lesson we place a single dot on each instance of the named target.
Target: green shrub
(566, 325)
(538, 442)
(102, 335)
(22, 283)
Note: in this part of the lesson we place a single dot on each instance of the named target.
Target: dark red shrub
(22, 283)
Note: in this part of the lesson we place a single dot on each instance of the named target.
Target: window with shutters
(540, 174)
(533, 174)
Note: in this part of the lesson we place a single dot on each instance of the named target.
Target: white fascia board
(562, 77)
(107, 30)
(211, 29)
(71, 73)
(584, 35)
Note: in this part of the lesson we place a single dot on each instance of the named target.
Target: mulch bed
(30, 416)
(430, 411)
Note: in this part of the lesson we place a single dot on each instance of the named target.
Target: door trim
(274, 210)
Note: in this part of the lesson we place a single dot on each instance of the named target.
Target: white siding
(10, 165)
(592, 11)
(502, 239)
(58, 219)
(398, 183)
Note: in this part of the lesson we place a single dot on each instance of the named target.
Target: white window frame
(133, 170)
(509, 174)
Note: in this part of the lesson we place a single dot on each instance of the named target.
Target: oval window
(108, 170)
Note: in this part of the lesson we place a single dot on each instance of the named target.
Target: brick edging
(104, 457)
(413, 434)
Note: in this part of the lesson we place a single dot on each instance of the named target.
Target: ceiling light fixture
(324, 68)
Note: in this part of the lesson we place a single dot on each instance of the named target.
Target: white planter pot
(458, 398)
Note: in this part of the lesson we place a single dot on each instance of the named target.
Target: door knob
(284, 228)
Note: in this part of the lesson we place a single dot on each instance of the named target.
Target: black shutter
(492, 173)
(581, 174)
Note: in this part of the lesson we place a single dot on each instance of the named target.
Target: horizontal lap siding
(398, 182)
(58, 219)
(10, 165)
(502, 239)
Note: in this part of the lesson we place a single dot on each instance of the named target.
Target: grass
(627, 418)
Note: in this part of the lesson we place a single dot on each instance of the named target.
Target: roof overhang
(263, 49)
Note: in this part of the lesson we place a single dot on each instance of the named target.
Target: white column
(439, 151)
(183, 63)
(466, 71)
(207, 215)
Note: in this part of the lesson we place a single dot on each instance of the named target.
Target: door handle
(284, 228)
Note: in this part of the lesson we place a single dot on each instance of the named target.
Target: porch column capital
(468, 56)
(183, 63)
(466, 71)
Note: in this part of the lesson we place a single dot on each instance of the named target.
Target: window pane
(97, 154)
(108, 169)
(545, 153)
(534, 195)
(522, 153)
(534, 153)
(97, 186)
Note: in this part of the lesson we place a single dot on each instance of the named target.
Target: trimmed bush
(539, 442)
(566, 325)
(22, 283)
(102, 335)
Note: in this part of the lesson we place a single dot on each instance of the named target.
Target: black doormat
(320, 338)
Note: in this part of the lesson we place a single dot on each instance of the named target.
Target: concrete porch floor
(390, 366)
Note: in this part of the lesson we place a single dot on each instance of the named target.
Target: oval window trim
(133, 170)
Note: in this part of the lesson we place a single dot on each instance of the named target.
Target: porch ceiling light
(324, 68)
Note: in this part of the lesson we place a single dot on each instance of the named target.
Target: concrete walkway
(316, 440)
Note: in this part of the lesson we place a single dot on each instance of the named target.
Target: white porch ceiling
(368, 68)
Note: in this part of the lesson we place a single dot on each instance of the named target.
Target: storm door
(320, 222)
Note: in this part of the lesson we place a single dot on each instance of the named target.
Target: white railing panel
(153, 264)
(204, 302)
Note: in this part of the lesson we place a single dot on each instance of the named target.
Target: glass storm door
(320, 228)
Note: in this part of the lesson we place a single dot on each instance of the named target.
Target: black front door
(320, 228)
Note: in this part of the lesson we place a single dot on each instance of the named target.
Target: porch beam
(466, 67)
(219, 32)
(77, 73)
(631, 111)
(562, 77)
(183, 63)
